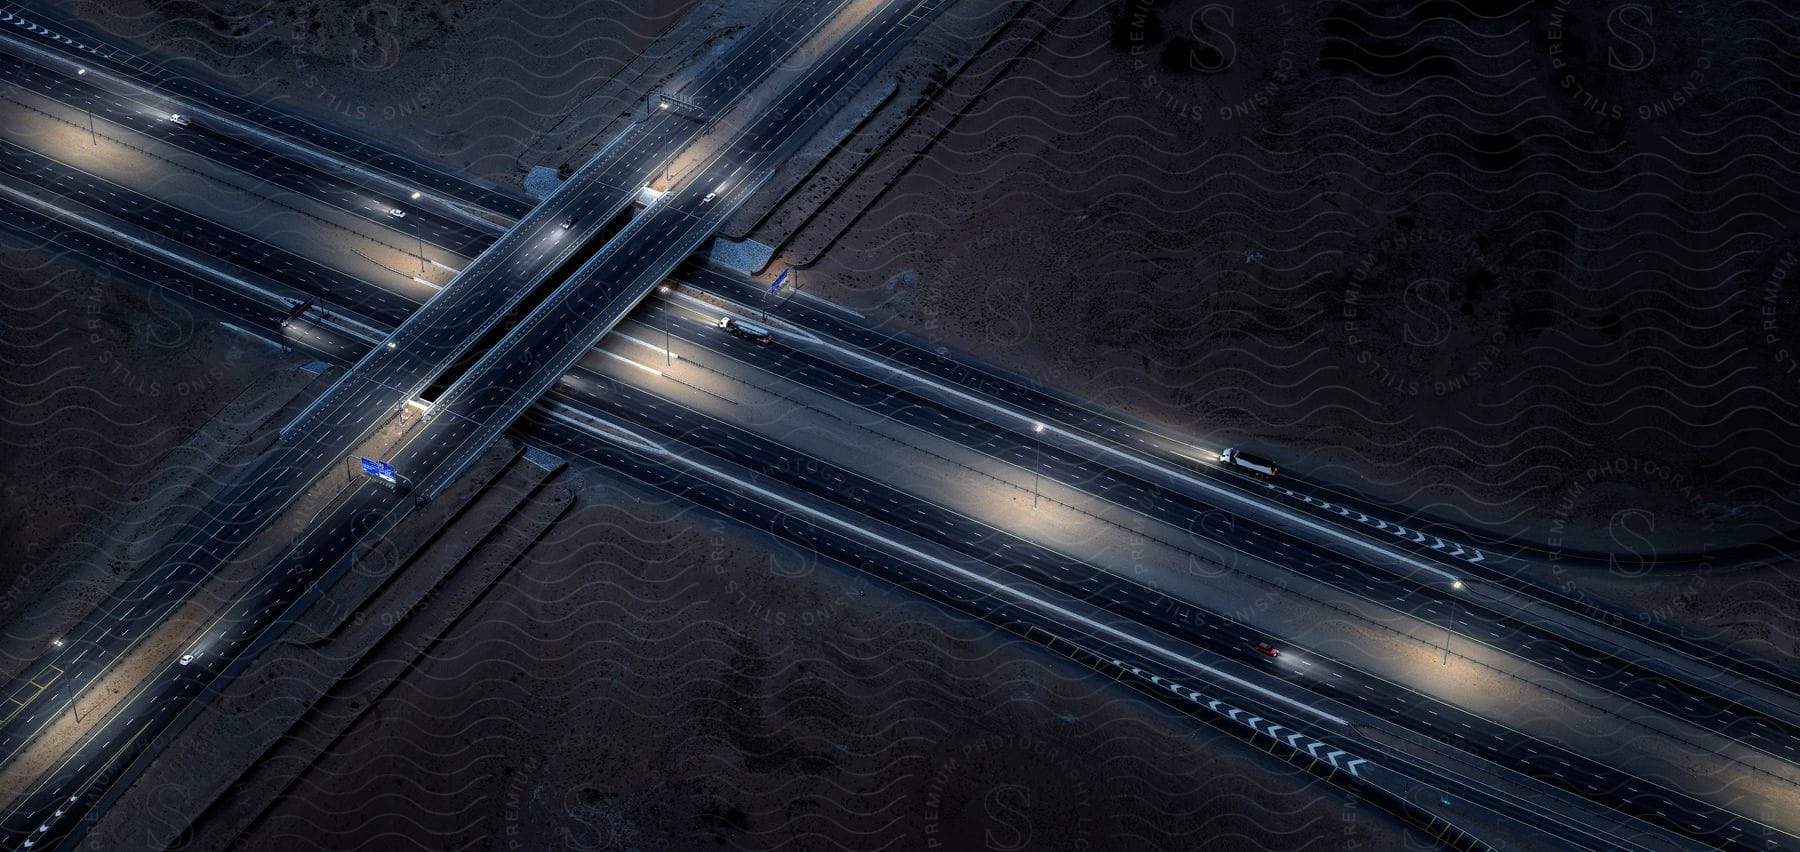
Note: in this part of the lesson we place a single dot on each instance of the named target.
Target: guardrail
(576, 346)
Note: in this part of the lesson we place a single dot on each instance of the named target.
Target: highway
(695, 334)
(1339, 683)
(1228, 640)
(543, 346)
(1025, 609)
(345, 293)
(793, 363)
(1009, 445)
(382, 306)
(1295, 490)
(156, 275)
(428, 341)
(249, 300)
(499, 388)
(45, 40)
(228, 146)
(114, 112)
(1403, 593)
(1012, 403)
(1316, 499)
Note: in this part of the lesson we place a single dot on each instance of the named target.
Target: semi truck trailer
(748, 330)
(1253, 465)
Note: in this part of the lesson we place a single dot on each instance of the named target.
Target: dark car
(1267, 649)
(570, 222)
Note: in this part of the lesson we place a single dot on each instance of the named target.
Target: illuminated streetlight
(1455, 584)
(415, 196)
(663, 105)
(390, 344)
(56, 642)
(80, 71)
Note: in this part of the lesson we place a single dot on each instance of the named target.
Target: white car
(187, 658)
(397, 213)
(709, 198)
(178, 118)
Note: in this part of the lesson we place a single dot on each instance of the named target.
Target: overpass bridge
(517, 370)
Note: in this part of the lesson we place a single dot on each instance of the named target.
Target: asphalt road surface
(383, 306)
(1341, 683)
(114, 112)
(62, 39)
(315, 443)
(1050, 406)
(345, 293)
(542, 347)
(1333, 684)
(1053, 405)
(1434, 603)
(369, 507)
(808, 370)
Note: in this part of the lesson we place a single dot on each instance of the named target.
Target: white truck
(1253, 465)
(748, 330)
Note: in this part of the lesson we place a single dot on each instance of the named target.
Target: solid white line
(354, 327)
(252, 335)
(305, 151)
(647, 345)
(972, 576)
(1029, 422)
(821, 300)
(618, 357)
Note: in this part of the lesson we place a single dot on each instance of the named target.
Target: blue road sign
(379, 469)
(780, 280)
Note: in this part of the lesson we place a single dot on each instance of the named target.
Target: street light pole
(93, 139)
(1446, 661)
(1448, 627)
(668, 354)
(1037, 430)
(421, 255)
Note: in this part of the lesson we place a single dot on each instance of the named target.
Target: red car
(1267, 649)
